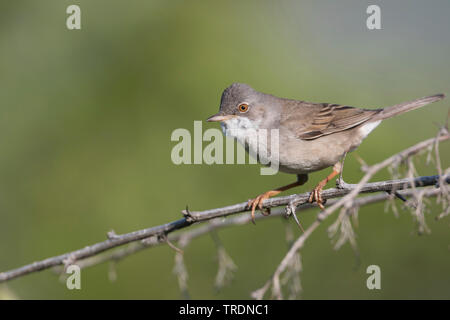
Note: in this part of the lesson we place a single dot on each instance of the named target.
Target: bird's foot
(316, 195)
(258, 202)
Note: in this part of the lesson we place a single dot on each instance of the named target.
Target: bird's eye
(243, 107)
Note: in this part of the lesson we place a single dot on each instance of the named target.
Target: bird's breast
(257, 141)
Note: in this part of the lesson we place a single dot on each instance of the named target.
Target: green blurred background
(86, 118)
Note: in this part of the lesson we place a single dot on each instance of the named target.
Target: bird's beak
(219, 117)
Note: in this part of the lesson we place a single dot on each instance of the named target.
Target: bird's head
(239, 102)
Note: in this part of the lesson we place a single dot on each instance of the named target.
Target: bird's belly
(301, 164)
(305, 156)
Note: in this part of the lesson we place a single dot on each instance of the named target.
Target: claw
(252, 204)
(258, 202)
(317, 197)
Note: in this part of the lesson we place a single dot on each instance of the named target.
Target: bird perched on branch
(312, 136)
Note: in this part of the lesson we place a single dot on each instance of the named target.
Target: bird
(312, 136)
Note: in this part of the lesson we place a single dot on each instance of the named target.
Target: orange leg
(316, 193)
(258, 201)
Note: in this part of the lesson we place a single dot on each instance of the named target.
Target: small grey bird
(312, 136)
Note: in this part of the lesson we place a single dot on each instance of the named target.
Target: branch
(215, 224)
(118, 240)
(159, 234)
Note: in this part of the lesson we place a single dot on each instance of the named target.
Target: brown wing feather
(327, 118)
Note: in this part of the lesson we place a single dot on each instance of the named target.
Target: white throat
(237, 126)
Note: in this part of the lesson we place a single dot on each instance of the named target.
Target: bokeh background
(86, 118)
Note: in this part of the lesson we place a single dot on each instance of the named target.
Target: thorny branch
(289, 268)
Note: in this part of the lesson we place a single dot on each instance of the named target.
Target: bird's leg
(316, 193)
(258, 201)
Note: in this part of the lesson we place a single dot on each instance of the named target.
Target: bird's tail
(406, 106)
